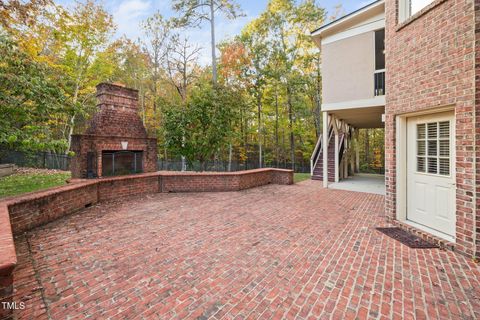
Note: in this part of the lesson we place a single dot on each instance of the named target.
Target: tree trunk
(184, 163)
(290, 127)
(154, 96)
(276, 127)
(70, 132)
(229, 157)
(243, 134)
(259, 109)
(318, 98)
(212, 30)
(245, 143)
(367, 146)
(72, 119)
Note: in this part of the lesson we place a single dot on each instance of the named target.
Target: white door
(431, 172)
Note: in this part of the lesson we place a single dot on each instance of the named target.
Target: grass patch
(19, 183)
(297, 177)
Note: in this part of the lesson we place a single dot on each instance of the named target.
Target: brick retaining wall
(8, 258)
(23, 213)
(35, 209)
(223, 181)
(120, 187)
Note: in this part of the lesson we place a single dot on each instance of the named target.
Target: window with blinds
(433, 148)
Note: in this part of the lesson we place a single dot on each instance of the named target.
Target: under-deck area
(362, 182)
(349, 154)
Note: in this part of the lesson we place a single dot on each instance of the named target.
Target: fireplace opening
(117, 163)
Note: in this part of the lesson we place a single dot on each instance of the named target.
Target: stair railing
(316, 152)
(318, 149)
(342, 152)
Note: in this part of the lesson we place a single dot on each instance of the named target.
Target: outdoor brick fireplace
(116, 142)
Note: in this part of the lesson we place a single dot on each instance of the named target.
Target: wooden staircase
(316, 160)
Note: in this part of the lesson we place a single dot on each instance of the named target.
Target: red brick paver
(274, 252)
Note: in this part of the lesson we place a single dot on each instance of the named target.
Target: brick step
(318, 178)
(330, 174)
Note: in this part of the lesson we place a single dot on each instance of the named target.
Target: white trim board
(371, 26)
(347, 18)
(354, 104)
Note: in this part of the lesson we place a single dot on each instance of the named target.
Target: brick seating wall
(23, 213)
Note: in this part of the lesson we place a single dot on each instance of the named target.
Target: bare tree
(181, 63)
(157, 32)
(195, 12)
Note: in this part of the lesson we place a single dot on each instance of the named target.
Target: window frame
(438, 157)
(405, 9)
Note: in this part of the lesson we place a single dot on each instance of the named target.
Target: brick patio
(276, 252)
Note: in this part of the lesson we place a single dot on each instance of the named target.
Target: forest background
(257, 101)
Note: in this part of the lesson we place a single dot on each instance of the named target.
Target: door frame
(401, 166)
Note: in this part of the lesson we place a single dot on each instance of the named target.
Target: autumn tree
(233, 69)
(83, 33)
(15, 12)
(70, 41)
(288, 24)
(131, 68)
(265, 95)
(281, 73)
(258, 49)
(31, 97)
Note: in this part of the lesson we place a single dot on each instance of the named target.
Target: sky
(128, 14)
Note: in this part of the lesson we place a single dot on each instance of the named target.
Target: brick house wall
(430, 62)
(477, 127)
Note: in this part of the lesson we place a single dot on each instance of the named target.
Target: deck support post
(346, 159)
(325, 149)
(353, 147)
(337, 158)
(357, 152)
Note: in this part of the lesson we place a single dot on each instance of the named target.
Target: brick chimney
(117, 95)
(115, 136)
(117, 113)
